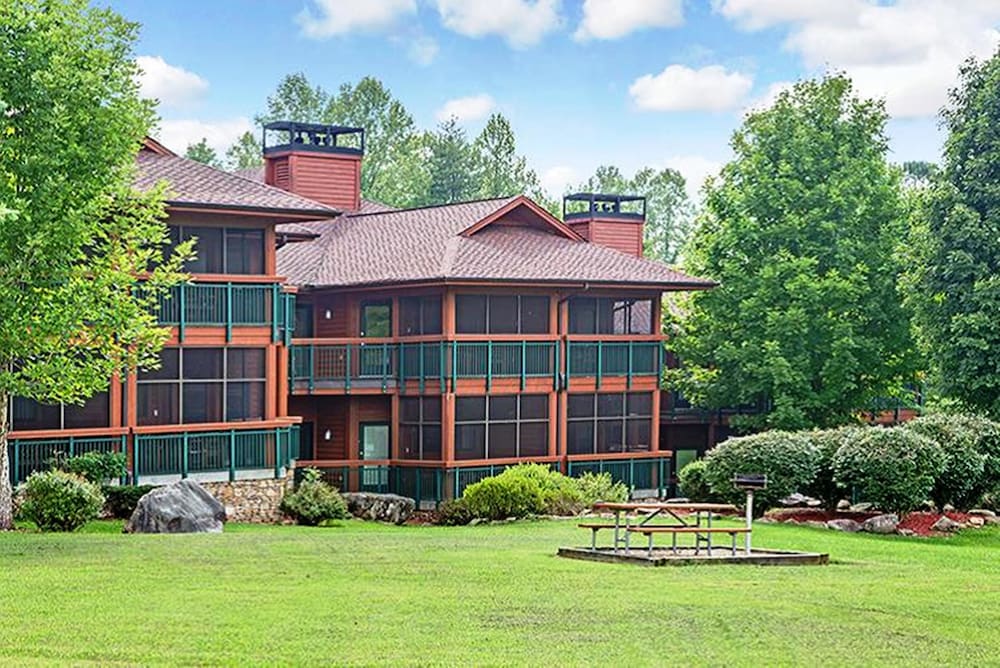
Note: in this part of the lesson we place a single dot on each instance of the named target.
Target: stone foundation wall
(251, 500)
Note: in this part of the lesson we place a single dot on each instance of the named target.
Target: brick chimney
(615, 221)
(321, 162)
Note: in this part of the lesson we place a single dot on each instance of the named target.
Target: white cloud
(556, 180)
(695, 169)
(220, 134)
(423, 50)
(909, 52)
(769, 96)
(173, 86)
(522, 23)
(680, 88)
(611, 19)
(472, 108)
(339, 17)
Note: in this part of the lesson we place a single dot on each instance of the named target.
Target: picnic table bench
(702, 531)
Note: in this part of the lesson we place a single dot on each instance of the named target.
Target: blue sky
(624, 82)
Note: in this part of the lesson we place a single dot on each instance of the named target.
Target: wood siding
(331, 178)
(622, 235)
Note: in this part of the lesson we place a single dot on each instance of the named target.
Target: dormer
(321, 162)
(615, 221)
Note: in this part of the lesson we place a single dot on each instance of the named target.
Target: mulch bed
(919, 523)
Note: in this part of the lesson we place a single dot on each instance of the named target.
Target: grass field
(369, 594)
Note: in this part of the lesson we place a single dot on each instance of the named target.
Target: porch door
(375, 360)
(374, 445)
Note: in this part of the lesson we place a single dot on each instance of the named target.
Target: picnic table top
(659, 505)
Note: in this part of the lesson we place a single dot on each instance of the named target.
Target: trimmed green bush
(97, 467)
(788, 459)
(893, 468)
(59, 501)
(454, 512)
(120, 500)
(827, 442)
(314, 501)
(960, 480)
(526, 489)
(596, 487)
(693, 484)
(986, 435)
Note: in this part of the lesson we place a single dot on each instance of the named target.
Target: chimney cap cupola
(604, 206)
(312, 137)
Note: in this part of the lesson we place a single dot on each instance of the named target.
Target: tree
(295, 99)
(801, 230)
(451, 165)
(669, 212)
(919, 173)
(202, 152)
(500, 170)
(393, 171)
(246, 153)
(957, 271)
(74, 234)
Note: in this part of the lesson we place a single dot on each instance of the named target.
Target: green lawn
(369, 594)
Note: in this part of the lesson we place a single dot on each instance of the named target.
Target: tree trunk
(6, 493)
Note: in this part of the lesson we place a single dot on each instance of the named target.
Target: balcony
(229, 305)
(335, 365)
(27, 455)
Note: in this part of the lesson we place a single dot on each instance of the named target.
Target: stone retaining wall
(251, 500)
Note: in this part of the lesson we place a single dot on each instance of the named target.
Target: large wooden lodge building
(413, 351)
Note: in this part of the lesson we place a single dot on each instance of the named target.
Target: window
(28, 414)
(222, 250)
(497, 427)
(601, 315)
(419, 315)
(420, 428)
(501, 314)
(197, 385)
(605, 423)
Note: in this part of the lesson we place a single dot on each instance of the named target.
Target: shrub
(960, 480)
(313, 501)
(510, 494)
(826, 443)
(693, 484)
(59, 501)
(893, 468)
(97, 467)
(454, 512)
(596, 487)
(120, 500)
(986, 435)
(788, 459)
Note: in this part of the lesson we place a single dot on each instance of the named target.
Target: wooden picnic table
(680, 522)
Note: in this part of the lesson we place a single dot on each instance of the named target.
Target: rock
(797, 500)
(906, 532)
(883, 524)
(476, 521)
(815, 524)
(390, 508)
(860, 507)
(982, 512)
(946, 524)
(813, 503)
(843, 504)
(850, 526)
(183, 507)
(766, 520)
(976, 521)
(992, 521)
(678, 499)
(948, 508)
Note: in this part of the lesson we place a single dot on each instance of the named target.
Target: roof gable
(522, 211)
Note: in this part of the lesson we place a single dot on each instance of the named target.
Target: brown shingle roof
(194, 183)
(426, 245)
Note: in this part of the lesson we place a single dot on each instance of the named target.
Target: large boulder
(183, 507)
(881, 524)
(380, 507)
(946, 524)
(844, 524)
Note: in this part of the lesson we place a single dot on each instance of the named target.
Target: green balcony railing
(644, 474)
(344, 365)
(229, 305)
(191, 452)
(599, 359)
(29, 455)
(504, 359)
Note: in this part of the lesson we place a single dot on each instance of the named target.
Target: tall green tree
(499, 169)
(245, 153)
(801, 231)
(74, 235)
(203, 153)
(669, 211)
(295, 99)
(393, 171)
(452, 165)
(957, 272)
